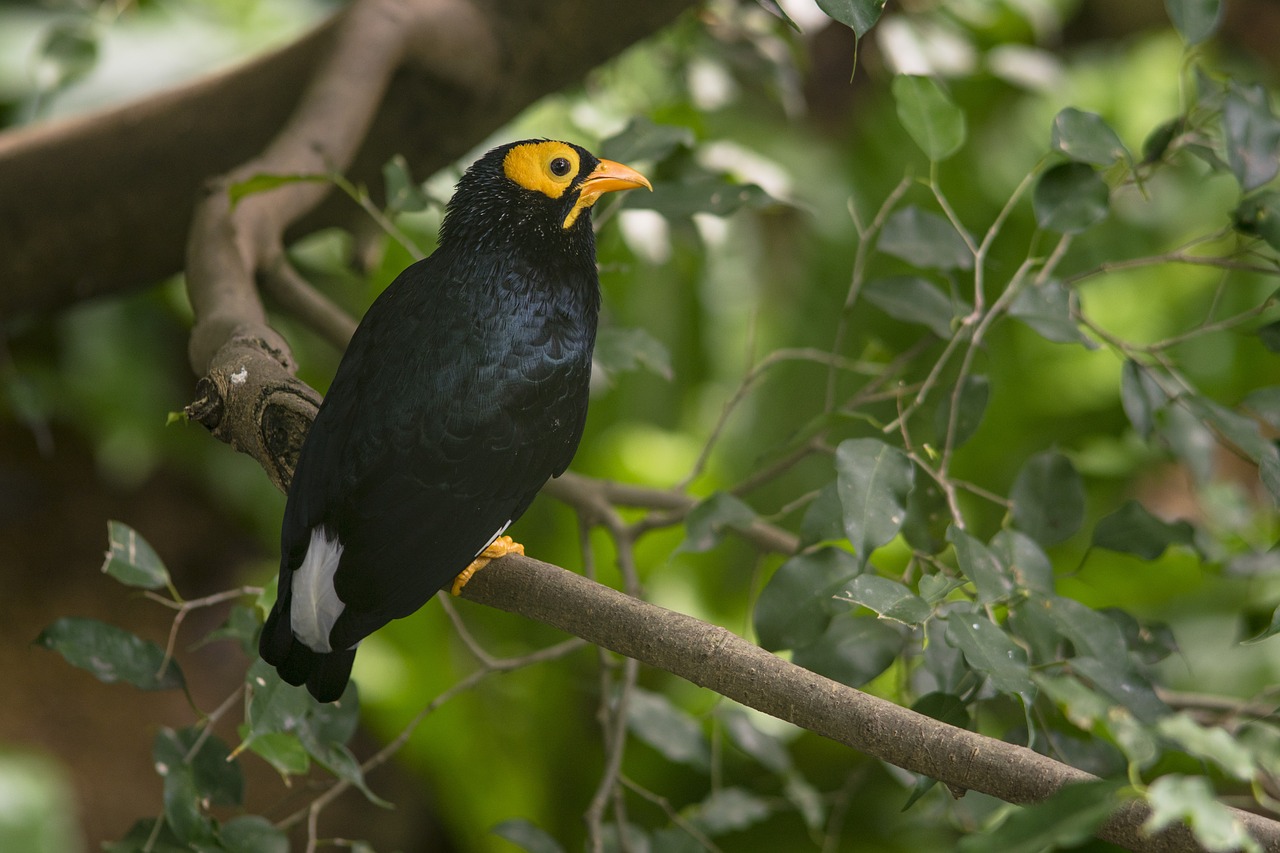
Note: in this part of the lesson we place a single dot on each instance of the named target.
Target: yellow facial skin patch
(534, 167)
(552, 167)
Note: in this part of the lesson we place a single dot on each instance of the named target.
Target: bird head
(534, 188)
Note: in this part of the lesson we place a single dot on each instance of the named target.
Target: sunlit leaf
(1086, 137)
(924, 240)
(1046, 308)
(527, 836)
(1048, 498)
(858, 15)
(1252, 135)
(853, 650)
(982, 566)
(990, 652)
(1190, 799)
(912, 299)
(1081, 704)
(1133, 530)
(1065, 819)
(671, 731)
(971, 405)
(874, 480)
(795, 605)
(282, 750)
(111, 654)
(1195, 20)
(887, 598)
(1070, 197)
(263, 182)
(1209, 743)
(929, 115)
(729, 810)
(712, 517)
(131, 560)
(1259, 216)
(624, 350)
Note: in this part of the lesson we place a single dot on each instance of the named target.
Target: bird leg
(500, 547)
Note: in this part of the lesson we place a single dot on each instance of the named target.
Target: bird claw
(500, 547)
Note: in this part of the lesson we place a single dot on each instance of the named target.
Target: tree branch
(719, 660)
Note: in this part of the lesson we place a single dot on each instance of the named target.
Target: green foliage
(1016, 405)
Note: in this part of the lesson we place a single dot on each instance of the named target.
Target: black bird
(463, 390)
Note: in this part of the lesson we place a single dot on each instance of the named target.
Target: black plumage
(462, 391)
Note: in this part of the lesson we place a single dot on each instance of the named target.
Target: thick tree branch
(719, 660)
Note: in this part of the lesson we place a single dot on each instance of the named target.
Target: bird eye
(560, 167)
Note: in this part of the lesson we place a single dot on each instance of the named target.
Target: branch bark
(719, 660)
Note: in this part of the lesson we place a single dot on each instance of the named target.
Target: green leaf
(912, 299)
(1026, 560)
(989, 652)
(946, 707)
(794, 607)
(1195, 20)
(1069, 198)
(1133, 530)
(67, 53)
(1252, 135)
(973, 394)
(404, 194)
(1048, 498)
(709, 519)
(1124, 686)
(824, 518)
(339, 761)
(1268, 632)
(145, 837)
(1091, 633)
(1269, 335)
(642, 140)
(1159, 140)
(626, 350)
(700, 193)
(1046, 308)
(1065, 819)
(924, 239)
(1086, 138)
(263, 182)
(981, 565)
(1141, 396)
(131, 560)
(671, 731)
(763, 747)
(729, 810)
(1209, 744)
(809, 802)
(1259, 216)
(252, 834)
(1079, 703)
(887, 598)
(111, 654)
(217, 778)
(858, 15)
(527, 836)
(282, 750)
(927, 518)
(853, 650)
(182, 794)
(1190, 799)
(874, 480)
(929, 115)
(1152, 642)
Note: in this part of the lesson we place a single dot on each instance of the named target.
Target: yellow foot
(500, 547)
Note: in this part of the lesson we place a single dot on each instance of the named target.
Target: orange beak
(610, 177)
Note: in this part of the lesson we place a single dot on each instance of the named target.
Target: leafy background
(985, 320)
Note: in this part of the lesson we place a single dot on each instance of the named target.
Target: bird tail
(324, 673)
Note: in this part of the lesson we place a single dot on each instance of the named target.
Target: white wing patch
(316, 605)
(501, 530)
